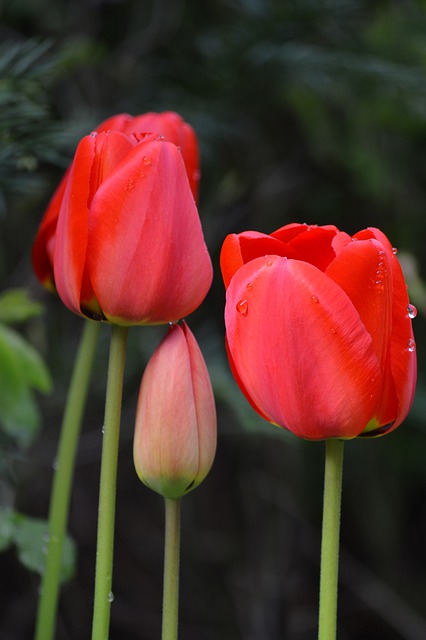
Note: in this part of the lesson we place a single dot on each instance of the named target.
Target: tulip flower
(318, 329)
(129, 247)
(168, 124)
(175, 433)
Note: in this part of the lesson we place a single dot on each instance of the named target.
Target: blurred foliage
(306, 110)
(29, 535)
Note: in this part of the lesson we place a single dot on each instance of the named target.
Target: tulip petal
(369, 272)
(71, 230)
(314, 245)
(205, 407)
(44, 243)
(155, 268)
(238, 249)
(403, 361)
(300, 349)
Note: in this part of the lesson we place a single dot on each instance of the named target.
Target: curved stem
(171, 570)
(330, 539)
(107, 487)
(62, 481)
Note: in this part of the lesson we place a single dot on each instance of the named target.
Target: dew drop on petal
(146, 160)
(269, 263)
(411, 346)
(394, 251)
(242, 307)
(314, 299)
(249, 286)
(412, 311)
(110, 597)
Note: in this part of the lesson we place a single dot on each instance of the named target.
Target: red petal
(72, 228)
(363, 271)
(44, 243)
(148, 261)
(238, 249)
(300, 350)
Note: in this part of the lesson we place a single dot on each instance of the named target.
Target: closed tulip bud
(128, 245)
(169, 125)
(319, 331)
(175, 433)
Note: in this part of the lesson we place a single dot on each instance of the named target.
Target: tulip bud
(168, 125)
(175, 433)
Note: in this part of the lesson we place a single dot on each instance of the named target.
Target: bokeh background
(306, 110)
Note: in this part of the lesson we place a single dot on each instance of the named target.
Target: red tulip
(167, 124)
(318, 328)
(175, 433)
(129, 246)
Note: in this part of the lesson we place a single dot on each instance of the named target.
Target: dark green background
(307, 111)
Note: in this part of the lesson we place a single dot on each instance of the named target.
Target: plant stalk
(107, 487)
(171, 570)
(330, 540)
(62, 481)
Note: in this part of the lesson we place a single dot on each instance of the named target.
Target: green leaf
(22, 422)
(21, 371)
(16, 306)
(22, 360)
(31, 539)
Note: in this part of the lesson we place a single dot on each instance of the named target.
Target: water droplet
(314, 299)
(55, 464)
(334, 330)
(146, 160)
(249, 286)
(141, 174)
(103, 428)
(412, 311)
(394, 251)
(269, 263)
(93, 134)
(379, 282)
(411, 345)
(110, 597)
(242, 307)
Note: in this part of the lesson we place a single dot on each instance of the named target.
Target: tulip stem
(330, 539)
(107, 487)
(171, 570)
(62, 481)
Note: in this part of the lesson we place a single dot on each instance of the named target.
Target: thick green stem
(171, 570)
(107, 488)
(330, 539)
(62, 481)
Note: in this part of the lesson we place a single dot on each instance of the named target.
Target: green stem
(330, 539)
(107, 487)
(62, 481)
(171, 570)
